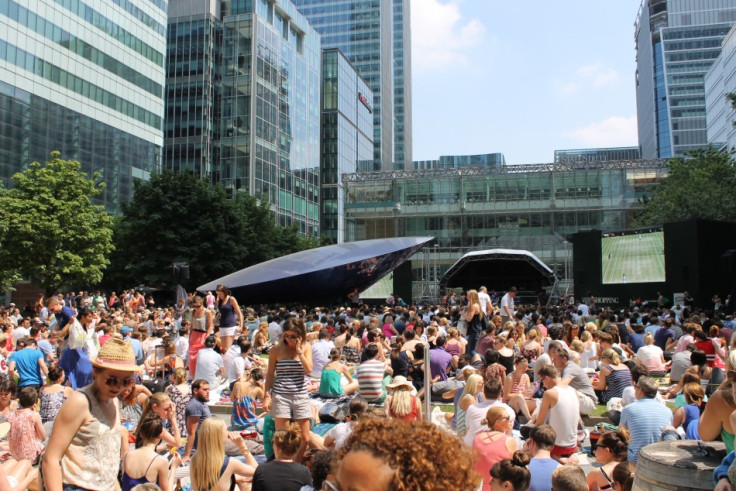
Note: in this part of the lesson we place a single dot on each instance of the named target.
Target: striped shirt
(290, 377)
(370, 379)
(644, 419)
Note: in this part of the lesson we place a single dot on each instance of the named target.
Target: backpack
(333, 412)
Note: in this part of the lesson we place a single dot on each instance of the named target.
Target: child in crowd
(27, 433)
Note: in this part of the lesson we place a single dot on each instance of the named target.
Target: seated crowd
(115, 393)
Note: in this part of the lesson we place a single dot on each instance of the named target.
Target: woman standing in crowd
(201, 328)
(393, 455)
(87, 436)
(611, 450)
(75, 361)
(286, 380)
(494, 444)
(211, 469)
(231, 318)
(145, 462)
(401, 403)
(473, 316)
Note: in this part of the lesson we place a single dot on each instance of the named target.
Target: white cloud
(595, 75)
(440, 35)
(611, 132)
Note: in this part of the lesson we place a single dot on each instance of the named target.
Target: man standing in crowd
(196, 412)
(507, 305)
(27, 363)
(485, 301)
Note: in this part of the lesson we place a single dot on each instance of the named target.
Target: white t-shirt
(208, 364)
(629, 395)
(507, 301)
(340, 433)
(320, 356)
(20, 333)
(236, 368)
(563, 417)
(651, 357)
(484, 300)
(584, 310)
(477, 413)
(182, 347)
(274, 331)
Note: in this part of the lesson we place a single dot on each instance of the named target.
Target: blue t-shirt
(636, 341)
(26, 364)
(662, 336)
(62, 318)
(46, 348)
(645, 420)
(439, 360)
(200, 410)
(541, 471)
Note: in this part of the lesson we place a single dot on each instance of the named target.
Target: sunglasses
(118, 382)
(290, 336)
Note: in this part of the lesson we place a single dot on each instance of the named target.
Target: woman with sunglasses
(495, 444)
(84, 449)
(286, 395)
(611, 450)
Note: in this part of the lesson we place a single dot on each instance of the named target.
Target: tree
(178, 217)
(50, 231)
(699, 185)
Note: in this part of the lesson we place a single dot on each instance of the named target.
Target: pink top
(489, 447)
(22, 439)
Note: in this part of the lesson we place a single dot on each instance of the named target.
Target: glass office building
(363, 31)
(243, 90)
(531, 207)
(719, 81)
(85, 78)
(456, 161)
(677, 41)
(347, 136)
(596, 154)
(402, 84)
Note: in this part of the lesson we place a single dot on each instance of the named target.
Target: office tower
(364, 31)
(243, 102)
(719, 81)
(347, 136)
(457, 161)
(402, 85)
(676, 44)
(86, 78)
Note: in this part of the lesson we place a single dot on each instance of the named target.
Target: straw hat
(116, 354)
(400, 381)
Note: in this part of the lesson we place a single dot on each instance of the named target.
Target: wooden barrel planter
(681, 465)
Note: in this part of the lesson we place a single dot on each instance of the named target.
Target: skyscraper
(676, 43)
(371, 33)
(242, 102)
(85, 78)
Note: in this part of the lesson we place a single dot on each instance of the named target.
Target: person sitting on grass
(27, 432)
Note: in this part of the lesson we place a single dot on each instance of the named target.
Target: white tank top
(564, 417)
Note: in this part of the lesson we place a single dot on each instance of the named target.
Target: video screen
(633, 256)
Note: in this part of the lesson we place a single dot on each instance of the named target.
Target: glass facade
(677, 42)
(402, 85)
(363, 31)
(531, 207)
(347, 132)
(719, 81)
(243, 102)
(456, 161)
(596, 154)
(74, 80)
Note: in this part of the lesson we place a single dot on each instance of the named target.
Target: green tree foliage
(698, 185)
(178, 217)
(50, 231)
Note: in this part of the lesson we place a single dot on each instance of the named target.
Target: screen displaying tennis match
(633, 256)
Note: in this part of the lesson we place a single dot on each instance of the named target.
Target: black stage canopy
(499, 269)
(320, 275)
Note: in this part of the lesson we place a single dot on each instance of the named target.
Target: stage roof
(322, 274)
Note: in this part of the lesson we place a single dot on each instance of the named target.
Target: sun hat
(400, 381)
(116, 354)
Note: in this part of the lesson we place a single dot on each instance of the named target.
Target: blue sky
(522, 78)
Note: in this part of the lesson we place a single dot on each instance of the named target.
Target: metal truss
(479, 171)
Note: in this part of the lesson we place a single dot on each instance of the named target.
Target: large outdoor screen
(634, 256)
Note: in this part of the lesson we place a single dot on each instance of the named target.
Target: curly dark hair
(423, 457)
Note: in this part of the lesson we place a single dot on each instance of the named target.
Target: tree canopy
(178, 217)
(699, 185)
(50, 232)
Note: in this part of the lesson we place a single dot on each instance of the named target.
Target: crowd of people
(114, 392)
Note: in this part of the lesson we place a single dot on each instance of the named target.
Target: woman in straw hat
(85, 445)
(402, 403)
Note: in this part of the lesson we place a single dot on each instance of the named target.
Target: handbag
(484, 324)
(77, 336)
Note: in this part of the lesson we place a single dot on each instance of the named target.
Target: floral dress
(180, 404)
(22, 439)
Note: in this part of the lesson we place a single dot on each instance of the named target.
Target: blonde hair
(473, 298)
(577, 346)
(611, 354)
(494, 414)
(586, 336)
(471, 385)
(533, 334)
(648, 339)
(401, 401)
(206, 463)
(591, 327)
